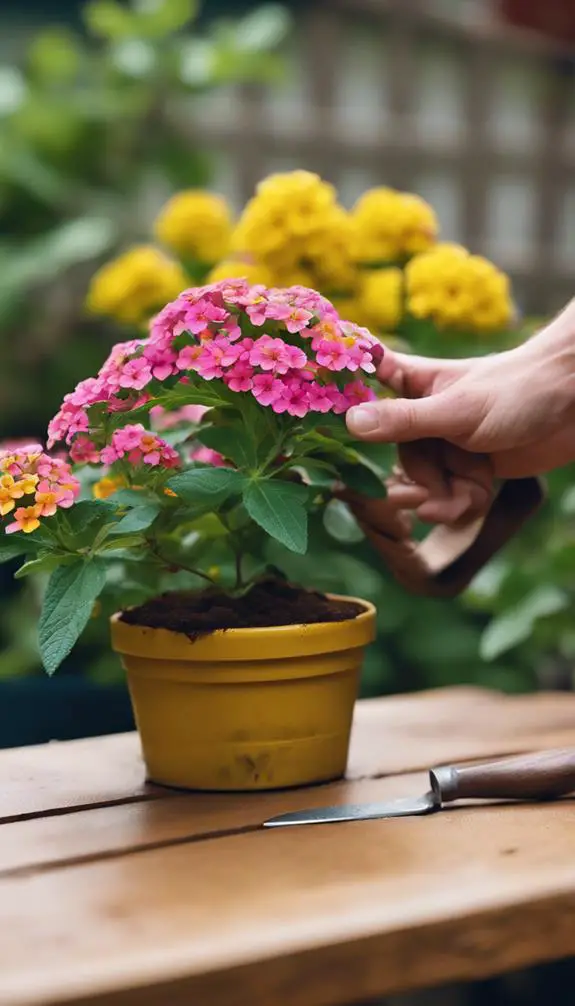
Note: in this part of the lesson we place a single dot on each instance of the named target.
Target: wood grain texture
(122, 894)
(392, 735)
(399, 903)
(120, 829)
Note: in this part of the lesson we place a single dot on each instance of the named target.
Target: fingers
(402, 420)
(459, 483)
(414, 376)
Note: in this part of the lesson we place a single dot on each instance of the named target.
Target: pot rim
(257, 643)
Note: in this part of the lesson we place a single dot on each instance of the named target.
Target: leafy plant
(270, 375)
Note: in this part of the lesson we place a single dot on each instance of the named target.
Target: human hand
(462, 423)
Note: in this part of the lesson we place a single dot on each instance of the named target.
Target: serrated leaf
(137, 519)
(88, 512)
(207, 485)
(516, 625)
(278, 508)
(44, 564)
(67, 606)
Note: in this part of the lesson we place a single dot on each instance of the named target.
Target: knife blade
(541, 776)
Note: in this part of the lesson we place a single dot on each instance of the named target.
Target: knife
(544, 775)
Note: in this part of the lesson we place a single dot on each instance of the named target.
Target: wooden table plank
(41, 843)
(392, 735)
(322, 915)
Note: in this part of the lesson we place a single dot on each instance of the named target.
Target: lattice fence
(478, 118)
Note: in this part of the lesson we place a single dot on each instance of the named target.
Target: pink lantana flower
(135, 373)
(240, 377)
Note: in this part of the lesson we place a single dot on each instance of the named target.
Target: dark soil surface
(268, 603)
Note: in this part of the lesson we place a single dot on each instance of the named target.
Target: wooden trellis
(477, 117)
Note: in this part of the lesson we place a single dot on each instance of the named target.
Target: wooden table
(114, 891)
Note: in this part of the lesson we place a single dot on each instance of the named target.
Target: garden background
(110, 108)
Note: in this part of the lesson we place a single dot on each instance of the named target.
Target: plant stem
(170, 564)
(239, 577)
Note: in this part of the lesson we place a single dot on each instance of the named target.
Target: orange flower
(26, 520)
(47, 502)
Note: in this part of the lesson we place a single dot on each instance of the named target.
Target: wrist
(548, 362)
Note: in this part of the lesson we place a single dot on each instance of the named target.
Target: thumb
(403, 419)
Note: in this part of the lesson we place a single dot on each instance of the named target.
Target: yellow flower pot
(245, 709)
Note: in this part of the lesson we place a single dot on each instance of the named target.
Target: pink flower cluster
(288, 348)
(44, 484)
(139, 446)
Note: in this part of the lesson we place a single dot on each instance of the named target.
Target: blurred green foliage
(95, 131)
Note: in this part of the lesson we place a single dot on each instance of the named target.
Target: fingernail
(363, 419)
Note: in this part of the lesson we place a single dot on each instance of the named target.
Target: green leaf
(137, 519)
(340, 523)
(278, 508)
(128, 497)
(14, 545)
(123, 543)
(44, 258)
(207, 485)
(158, 18)
(108, 19)
(54, 55)
(516, 625)
(319, 474)
(86, 513)
(379, 457)
(212, 394)
(262, 29)
(232, 443)
(45, 564)
(68, 604)
(362, 480)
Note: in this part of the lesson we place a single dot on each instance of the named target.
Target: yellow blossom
(106, 486)
(458, 290)
(134, 286)
(28, 483)
(236, 269)
(379, 298)
(391, 225)
(328, 252)
(296, 277)
(196, 224)
(284, 220)
(349, 309)
(11, 490)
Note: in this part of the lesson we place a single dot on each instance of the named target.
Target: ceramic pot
(245, 709)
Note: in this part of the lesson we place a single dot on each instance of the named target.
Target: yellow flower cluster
(295, 227)
(132, 287)
(390, 226)
(196, 225)
(375, 262)
(457, 290)
(239, 269)
(379, 298)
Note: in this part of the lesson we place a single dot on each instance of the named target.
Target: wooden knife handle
(538, 776)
